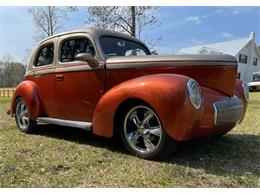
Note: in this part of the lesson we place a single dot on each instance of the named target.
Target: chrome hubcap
(142, 129)
(22, 115)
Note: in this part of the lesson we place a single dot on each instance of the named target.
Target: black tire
(165, 146)
(252, 88)
(22, 118)
(220, 135)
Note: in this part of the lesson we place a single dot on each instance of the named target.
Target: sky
(179, 27)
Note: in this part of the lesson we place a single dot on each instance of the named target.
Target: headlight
(194, 93)
(246, 90)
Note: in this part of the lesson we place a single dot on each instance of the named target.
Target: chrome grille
(228, 111)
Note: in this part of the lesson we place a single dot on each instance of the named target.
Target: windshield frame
(123, 38)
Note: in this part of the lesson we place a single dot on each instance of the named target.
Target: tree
(11, 72)
(48, 20)
(131, 20)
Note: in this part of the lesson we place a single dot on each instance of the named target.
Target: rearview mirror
(87, 58)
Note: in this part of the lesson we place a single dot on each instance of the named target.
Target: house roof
(226, 47)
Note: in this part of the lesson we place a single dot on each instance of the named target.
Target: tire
(220, 135)
(143, 134)
(252, 88)
(23, 122)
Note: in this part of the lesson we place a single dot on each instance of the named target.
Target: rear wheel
(23, 122)
(143, 134)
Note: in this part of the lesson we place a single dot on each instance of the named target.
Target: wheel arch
(122, 108)
(166, 94)
(29, 92)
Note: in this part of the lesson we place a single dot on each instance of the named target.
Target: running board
(67, 123)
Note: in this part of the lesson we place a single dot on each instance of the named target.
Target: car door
(42, 73)
(77, 86)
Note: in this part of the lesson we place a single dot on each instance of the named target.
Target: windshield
(114, 46)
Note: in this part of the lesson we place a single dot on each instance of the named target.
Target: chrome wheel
(142, 129)
(21, 114)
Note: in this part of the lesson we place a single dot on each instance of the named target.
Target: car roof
(95, 32)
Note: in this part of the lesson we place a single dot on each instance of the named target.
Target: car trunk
(217, 72)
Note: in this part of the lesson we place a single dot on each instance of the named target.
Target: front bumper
(228, 111)
(218, 114)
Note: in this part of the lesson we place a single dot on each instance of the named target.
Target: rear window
(45, 55)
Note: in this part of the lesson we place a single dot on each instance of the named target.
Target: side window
(45, 55)
(71, 47)
(243, 58)
(255, 61)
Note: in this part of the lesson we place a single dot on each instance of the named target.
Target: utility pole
(50, 9)
(133, 21)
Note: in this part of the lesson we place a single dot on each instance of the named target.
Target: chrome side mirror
(86, 57)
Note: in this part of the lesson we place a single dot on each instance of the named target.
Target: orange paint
(95, 94)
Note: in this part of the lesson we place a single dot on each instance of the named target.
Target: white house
(245, 50)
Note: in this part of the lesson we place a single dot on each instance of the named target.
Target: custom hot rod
(104, 81)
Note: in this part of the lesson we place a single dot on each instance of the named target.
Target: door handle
(59, 77)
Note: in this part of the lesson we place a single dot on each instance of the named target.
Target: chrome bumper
(228, 111)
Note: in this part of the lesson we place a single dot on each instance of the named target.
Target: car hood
(217, 72)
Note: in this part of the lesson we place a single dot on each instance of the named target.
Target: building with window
(244, 49)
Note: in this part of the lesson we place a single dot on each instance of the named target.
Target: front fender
(29, 92)
(165, 93)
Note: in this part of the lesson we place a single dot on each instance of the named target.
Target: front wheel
(143, 134)
(23, 122)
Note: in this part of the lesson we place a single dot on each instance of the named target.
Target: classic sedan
(107, 82)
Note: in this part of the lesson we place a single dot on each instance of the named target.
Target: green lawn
(66, 157)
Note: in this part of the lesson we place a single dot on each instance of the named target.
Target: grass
(66, 157)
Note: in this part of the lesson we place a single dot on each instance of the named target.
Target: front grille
(228, 111)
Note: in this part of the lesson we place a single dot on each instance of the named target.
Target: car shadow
(81, 137)
(231, 154)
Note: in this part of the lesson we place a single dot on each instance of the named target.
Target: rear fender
(165, 93)
(29, 92)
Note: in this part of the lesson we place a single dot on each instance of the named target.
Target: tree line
(11, 72)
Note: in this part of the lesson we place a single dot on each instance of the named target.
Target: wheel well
(122, 108)
(14, 105)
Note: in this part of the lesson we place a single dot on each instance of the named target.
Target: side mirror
(87, 58)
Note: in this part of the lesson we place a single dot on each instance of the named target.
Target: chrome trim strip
(173, 60)
(68, 123)
(43, 71)
(215, 114)
(169, 58)
(151, 64)
(75, 68)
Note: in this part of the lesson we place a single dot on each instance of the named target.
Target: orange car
(104, 81)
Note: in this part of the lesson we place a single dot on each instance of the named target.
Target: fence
(6, 92)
